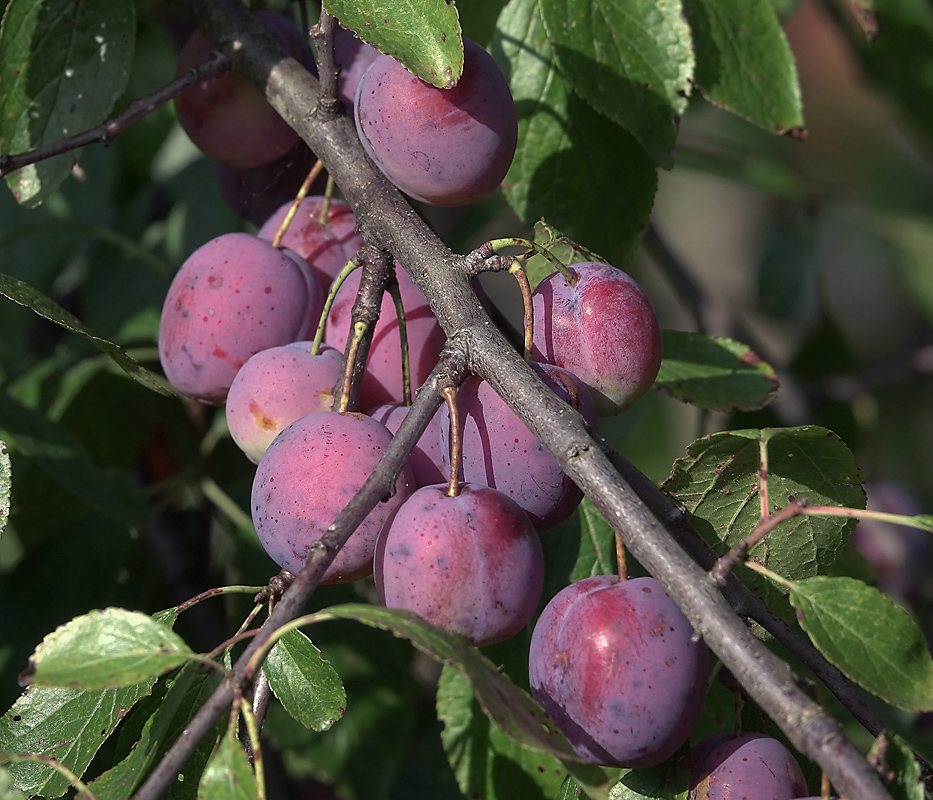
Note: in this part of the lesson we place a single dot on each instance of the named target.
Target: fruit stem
(825, 788)
(255, 751)
(513, 241)
(621, 564)
(529, 325)
(325, 206)
(456, 440)
(331, 295)
(396, 293)
(305, 187)
(359, 331)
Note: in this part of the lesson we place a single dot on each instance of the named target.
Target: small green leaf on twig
(104, 649)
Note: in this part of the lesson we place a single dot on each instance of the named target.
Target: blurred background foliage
(818, 254)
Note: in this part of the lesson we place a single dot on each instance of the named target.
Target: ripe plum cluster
(614, 662)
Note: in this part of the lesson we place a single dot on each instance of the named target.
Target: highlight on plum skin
(233, 296)
(471, 564)
(274, 388)
(614, 665)
(446, 147)
(307, 476)
(602, 328)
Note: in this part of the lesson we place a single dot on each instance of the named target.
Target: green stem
(225, 504)
(396, 294)
(217, 593)
(302, 192)
(252, 730)
(325, 206)
(359, 331)
(329, 302)
(74, 780)
(529, 324)
(772, 576)
(513, 241)
(923, 522)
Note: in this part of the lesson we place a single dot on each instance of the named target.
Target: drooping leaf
(478, 751)
(307, 685)
(424, 35)
(32, 298)
(228, 775)
(62, 67)
(187, 692)
(587, 175)
(65, 459)
(69, 725)
(714, 372)
(6, 485)
(632, 62)
(869, 637)
(106, 648)
(744, 63)
(510, 709)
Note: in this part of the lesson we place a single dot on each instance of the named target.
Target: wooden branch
(388, 222)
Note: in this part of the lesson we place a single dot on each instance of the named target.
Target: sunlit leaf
(424, 35)
(106, 648)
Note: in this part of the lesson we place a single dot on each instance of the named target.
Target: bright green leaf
(424, 35)
(867, 636)
(32, 298)
(62, 67)
(510, 709)
(576, 167)
(106, 648)
(69, 725)
(477, 750)
(714, 372)
(744, 63)
(307, 685)
(632, 62)
(228, 775)
(6, 485)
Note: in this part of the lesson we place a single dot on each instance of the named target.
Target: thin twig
(738, 553)
(104, 133)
